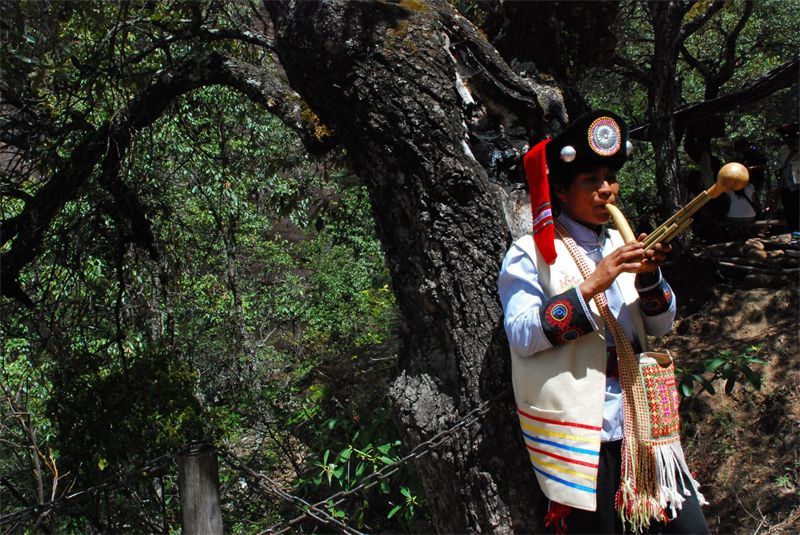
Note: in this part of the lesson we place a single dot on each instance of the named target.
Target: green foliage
(638, 188)
(124, 415)
(269, 275)
(789, 479)
(769, 38)
(357, 461)
(730, 366)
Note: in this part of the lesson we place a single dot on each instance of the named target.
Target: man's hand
(654, 257)
(626, 259)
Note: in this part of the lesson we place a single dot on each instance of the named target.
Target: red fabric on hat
(535, 164)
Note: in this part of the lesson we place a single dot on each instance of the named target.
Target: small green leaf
(755, 378)
(729, 384)
(686, 390)
(707, 385)
(394, 511)
(405, 492)
(386, 460)
(714, 364)
(26, 59)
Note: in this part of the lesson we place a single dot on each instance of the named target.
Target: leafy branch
(730, 366)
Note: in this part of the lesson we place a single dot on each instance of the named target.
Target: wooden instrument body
(731, 177)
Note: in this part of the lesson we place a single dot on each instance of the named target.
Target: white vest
(560, 391)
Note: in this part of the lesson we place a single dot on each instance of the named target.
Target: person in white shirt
(564, 362)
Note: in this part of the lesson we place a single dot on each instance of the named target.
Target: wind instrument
(732, 176)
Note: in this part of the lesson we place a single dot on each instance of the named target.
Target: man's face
(586, 198)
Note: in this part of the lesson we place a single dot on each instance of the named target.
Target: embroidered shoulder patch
(563, 318)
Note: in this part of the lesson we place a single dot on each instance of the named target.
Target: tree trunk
(425, 107)
(664, 95)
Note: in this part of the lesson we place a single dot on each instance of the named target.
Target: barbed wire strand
(308, 509)
(385, 472)
(116, 479)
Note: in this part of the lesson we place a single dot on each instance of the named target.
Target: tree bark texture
(435, 122)
(664, 95)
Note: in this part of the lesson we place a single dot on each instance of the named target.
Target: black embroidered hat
(595, 138)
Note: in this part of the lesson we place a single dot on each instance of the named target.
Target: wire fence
(313, 511)
(421, 449)
(309, 510)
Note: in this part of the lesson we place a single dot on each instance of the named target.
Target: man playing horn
(600, 425)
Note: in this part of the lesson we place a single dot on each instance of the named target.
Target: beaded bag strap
(634, 398)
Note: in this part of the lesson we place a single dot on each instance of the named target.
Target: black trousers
(690, 518)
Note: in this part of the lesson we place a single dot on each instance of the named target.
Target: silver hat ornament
(568, 153)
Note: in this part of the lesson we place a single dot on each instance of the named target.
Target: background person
(787, 164)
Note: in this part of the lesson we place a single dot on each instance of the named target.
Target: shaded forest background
(188, 254)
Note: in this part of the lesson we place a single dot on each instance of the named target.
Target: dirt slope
(744, 447)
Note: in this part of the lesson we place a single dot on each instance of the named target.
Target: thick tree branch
(632, 70)
(694, 62)
(695, 24)
(729, 50)
(110, 143)
(204, 34)
(502, 108)
(557, 38)
(715, 79)
(779, 78)
(128, 207)
(493, 69)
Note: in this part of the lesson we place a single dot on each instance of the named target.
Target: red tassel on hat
(535, 163)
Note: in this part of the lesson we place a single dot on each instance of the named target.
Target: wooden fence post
(198, 483)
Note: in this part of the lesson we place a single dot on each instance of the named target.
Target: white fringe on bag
(673, 474)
